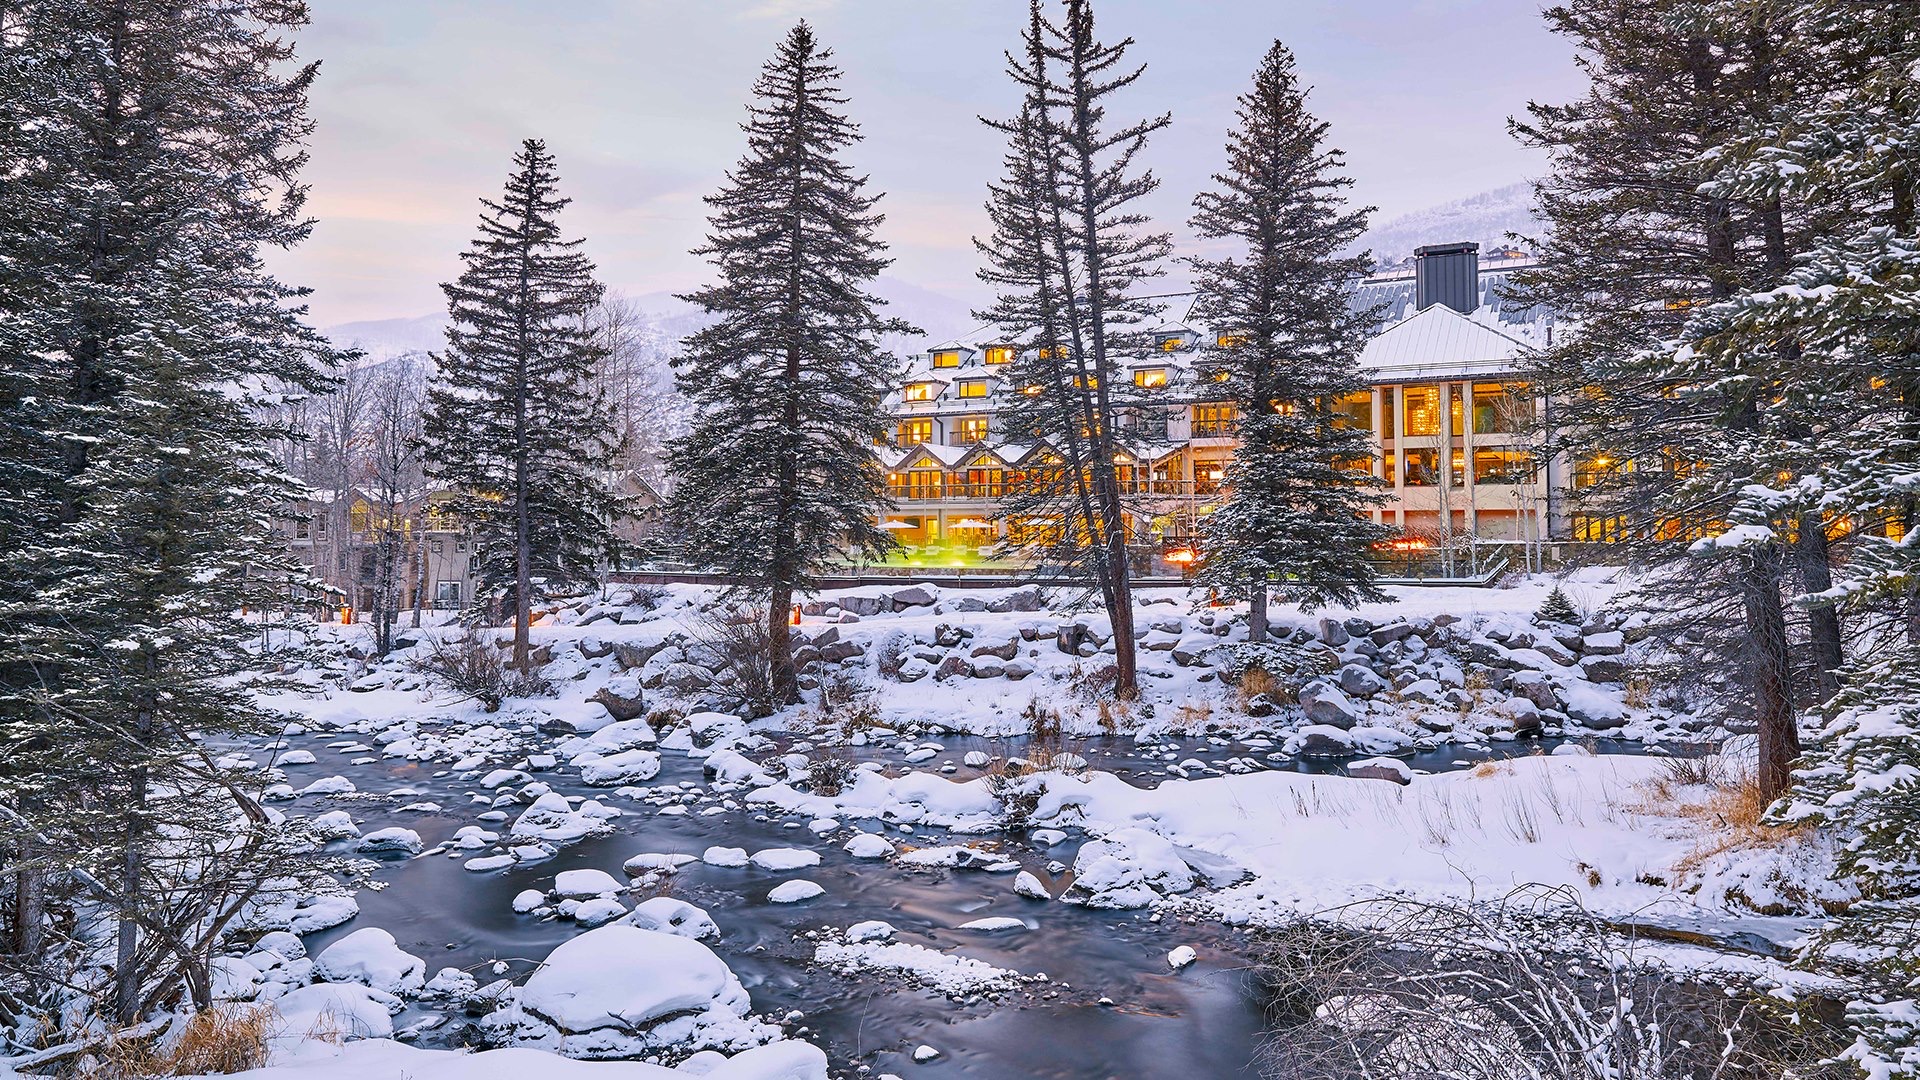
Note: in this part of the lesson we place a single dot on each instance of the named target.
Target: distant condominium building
(1449, 410)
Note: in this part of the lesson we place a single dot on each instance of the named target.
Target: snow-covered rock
(394, 841)
(583, 884)
(1128, 868)
(793, 892)
(783, 859)
(371, 957)
(625, 767)
(671, 916)
(621, 992)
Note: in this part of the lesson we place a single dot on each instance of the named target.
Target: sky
(421, 104)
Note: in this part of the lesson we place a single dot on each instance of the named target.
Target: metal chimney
(1447, 274)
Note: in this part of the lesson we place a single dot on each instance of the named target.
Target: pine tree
(1079, 312)
(777, 475)
(1846, 327)
(151, 152)
(1665, 438)
(1284, 353)
(515, 425)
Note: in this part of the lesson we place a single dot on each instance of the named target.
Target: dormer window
(946, 358)
(999, 354)
(919, 391)
(972, 388)
(1172, 342)
(1150, 378)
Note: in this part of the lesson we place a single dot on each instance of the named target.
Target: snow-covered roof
(1438, 342)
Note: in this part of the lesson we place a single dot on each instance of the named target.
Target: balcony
(1214, 429)
(975, 492)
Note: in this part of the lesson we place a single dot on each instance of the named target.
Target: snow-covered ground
(1215, 798)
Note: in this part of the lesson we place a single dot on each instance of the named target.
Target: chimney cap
(1459, 247)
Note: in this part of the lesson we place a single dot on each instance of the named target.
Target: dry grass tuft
(225, 1039)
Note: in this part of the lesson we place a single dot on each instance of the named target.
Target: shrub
(1286, 667)
(473, 666)
(1558, 608)
(829, 773)
(739, 647)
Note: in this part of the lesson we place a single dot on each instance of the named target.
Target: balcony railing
(1214, 429)
(963, 492)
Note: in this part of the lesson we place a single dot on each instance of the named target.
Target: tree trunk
(1257, 610)
(126, 966)
(1816, 576)
(28, 903)
(1778, 735)
(786, 679)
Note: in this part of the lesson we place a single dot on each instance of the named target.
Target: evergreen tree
(515, 424)
(1846, 327)
(1078, 312)
(777, 474)
(151, 153)
(1284, 353)
(1666, 438)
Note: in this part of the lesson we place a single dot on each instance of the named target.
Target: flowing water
(1111, 1007)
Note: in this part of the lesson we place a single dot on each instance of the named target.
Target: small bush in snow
(474, 667)
(1286, 667)
(1557, 608)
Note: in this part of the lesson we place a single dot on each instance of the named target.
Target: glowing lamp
(1181, 556)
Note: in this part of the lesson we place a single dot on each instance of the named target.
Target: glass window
(1213, 421)
(1173, 343)
(919, 391)
(1501, 466)
(1423, 468)
(973, 388)
(1421, 407)
(446, 592)
(973, 429)
(1456, 409)
(1230, 341)
(923, 483)
(1354, 411)
(1594, 470)
(1457, 471)
(999, 354)
(1388, 411)
(1150, 377)
(946, 358)
(1500, 409)
(914, 432)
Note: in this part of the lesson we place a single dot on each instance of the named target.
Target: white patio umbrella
(891, 524)
(971, 523)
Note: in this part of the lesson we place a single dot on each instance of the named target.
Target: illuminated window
(1594, 470)
(1058, 352)
(973, 388)
(1500, 409)
(1032, 391)
(986, 482)
(1457, 407)
(1207, 476)
(972, 429)
(1423, 468)
(999, 354)
(1150, 377)
(946, 358)
(1172, 343)
(920, 391)
(1388, 411)
(913, 432)
(358, 519)
(1213, 420)
(1086, 382)
(924, 483)
(1354, 411)
(1598, 528)
(1503, 466)
(1420, 405)
(1230, 341)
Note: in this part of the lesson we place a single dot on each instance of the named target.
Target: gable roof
(1439, 342)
